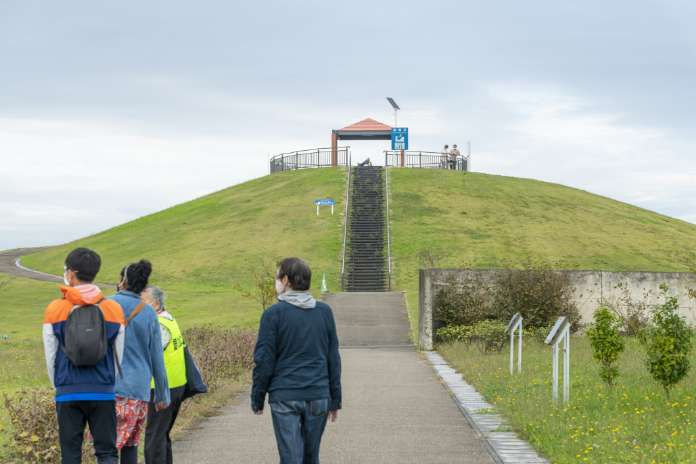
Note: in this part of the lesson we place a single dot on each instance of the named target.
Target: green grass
(634, 423)
(204, 251)
(483, 221)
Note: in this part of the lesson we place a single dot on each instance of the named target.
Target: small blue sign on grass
(399, 138)
(325, 202)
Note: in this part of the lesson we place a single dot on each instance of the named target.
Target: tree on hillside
(668, 343)
(606, 342)
(262, 290)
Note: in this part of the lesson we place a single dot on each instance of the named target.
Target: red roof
(368, 124)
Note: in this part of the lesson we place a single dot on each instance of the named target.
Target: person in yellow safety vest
(158, 444)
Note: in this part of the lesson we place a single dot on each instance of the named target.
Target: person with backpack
(142, 361)
(83, 338)
(298, 365)
(158, 443)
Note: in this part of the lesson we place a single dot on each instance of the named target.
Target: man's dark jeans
(298, 427)
(101, 417)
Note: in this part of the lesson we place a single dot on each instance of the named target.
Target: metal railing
(305, 159)
(425, 160)
(345, 227)
(386, 194)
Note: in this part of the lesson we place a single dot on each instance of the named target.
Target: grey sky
(109, 112)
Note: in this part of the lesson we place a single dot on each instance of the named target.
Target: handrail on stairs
(345, 223)
(386, 192)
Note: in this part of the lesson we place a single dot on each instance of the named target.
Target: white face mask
(65, 279)
(280, 288)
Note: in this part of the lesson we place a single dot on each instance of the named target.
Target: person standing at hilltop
(142, 361)
(443, 158)
(454, 156)
(298, 365)
(83, 338)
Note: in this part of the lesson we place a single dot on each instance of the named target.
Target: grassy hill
(483, 221)
(204, 252)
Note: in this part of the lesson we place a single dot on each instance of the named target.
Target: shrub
(539, 294)
(220, 354)
(462, 302)
(34, 435)
(634, 314)
(454, 333)
(606, 342)
(668, 343)
(489, 336)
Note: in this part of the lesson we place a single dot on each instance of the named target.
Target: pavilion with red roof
(367, 129)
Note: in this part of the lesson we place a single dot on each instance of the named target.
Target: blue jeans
(298, 427)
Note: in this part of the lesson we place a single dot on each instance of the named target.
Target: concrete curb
(505, 447)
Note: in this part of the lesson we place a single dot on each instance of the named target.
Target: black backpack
(85, 340)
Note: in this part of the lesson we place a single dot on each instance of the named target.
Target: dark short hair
(298, 273)
(85, 263)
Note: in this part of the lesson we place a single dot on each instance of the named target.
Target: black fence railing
(425, 160)
(304, 159)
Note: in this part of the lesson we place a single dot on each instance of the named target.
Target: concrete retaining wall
(590, 289)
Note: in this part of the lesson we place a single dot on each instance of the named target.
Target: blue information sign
(399, 138)
(324, 202)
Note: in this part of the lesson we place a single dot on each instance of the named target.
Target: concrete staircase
(366, 263)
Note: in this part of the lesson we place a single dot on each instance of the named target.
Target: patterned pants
(130, 421)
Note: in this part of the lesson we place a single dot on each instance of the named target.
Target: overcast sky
(112, 111)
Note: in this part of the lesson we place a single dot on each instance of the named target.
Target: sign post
(399, 138)
(515, 324)
(560, 332)
(325, 202)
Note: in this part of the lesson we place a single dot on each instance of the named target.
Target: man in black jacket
(298, 364)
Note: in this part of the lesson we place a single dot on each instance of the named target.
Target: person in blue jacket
(297, 363)
(142, 361)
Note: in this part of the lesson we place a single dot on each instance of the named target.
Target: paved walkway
(8, 265)
(395, 409)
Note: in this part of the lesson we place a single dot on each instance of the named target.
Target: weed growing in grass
(606, 343)
(668, 343)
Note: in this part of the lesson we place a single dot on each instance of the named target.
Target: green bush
(462, 302)
(488, 336)
(540, 295)
(454, 333)
(606, 342)
(668, 343)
